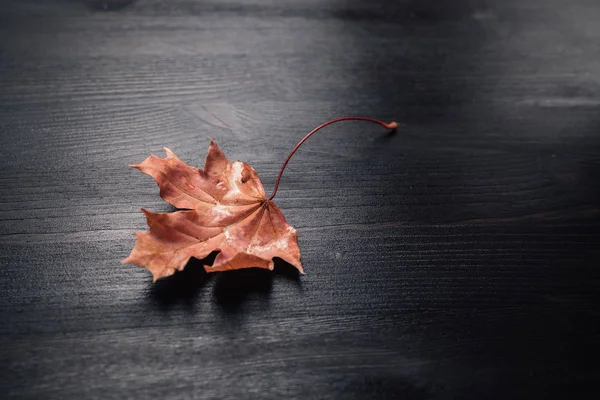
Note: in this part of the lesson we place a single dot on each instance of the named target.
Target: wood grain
(457, 258)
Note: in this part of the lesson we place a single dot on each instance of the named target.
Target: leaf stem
(391, 125)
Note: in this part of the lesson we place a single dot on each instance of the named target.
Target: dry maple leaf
(224, 208)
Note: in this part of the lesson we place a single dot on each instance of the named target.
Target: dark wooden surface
(455, 259)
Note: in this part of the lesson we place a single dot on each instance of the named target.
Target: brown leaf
(227, 210)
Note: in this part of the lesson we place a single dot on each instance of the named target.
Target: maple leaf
(223, 208)
(226, 210)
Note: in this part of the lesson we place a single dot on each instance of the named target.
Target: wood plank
(456, 258)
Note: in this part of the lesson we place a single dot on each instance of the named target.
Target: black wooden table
(457, 258)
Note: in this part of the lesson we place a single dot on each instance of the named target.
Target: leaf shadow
(232, 288)
(183, 287)
(230, 291)
(287, 271)
(387, 136)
